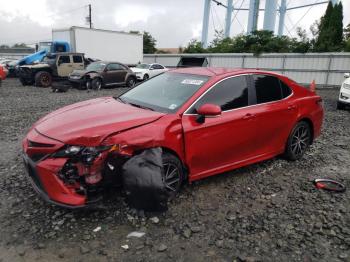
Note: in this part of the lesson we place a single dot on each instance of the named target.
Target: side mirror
(207, 110)
(59, 62)
(346, 75)
(151, 68)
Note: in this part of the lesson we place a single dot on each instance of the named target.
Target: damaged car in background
(183, 125)
(102, 74)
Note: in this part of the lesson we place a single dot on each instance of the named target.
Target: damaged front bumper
(64, 181)
(50, 189)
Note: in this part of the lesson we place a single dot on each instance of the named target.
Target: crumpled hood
(88, 123)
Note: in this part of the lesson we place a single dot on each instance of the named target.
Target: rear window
(267, 88)
(286, 91)
(77, 59)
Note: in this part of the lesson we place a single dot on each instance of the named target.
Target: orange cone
(313, 86)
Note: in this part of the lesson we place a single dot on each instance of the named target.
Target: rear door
(275, 113)
(115, 74)
(224, 140)
(77, 62)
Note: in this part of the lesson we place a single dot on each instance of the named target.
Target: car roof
(217, 71)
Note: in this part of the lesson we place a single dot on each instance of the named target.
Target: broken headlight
(86, 155)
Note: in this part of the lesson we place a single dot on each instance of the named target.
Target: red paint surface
(235, 138)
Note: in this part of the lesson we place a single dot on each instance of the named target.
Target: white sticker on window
(192, 82)
(172, 106)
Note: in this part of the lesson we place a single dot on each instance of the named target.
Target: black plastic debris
(143, 183)
(60, 87)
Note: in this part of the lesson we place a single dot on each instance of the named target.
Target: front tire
(145, 77)
(131, 82)
(173, 174)
(96, 83)
(43, 79)
(298, 141)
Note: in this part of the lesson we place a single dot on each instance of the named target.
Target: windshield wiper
(139, 106)
(135, 105)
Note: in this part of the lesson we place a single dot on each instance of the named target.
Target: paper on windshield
(192, 82)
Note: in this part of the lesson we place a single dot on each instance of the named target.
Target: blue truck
(45, 48)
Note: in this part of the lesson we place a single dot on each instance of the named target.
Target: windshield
(166, 92)
(97, 66)
(49, 59)
(45, 46)
(143, 66)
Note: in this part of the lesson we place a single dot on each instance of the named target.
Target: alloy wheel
(300, 140)
(171, 177)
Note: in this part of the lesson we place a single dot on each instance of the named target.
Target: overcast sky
(172, 23)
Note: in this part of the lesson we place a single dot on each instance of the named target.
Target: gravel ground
(265, 212)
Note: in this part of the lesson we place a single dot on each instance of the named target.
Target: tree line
(328, 35)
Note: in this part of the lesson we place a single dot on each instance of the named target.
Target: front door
(64, 65)
(225, 140)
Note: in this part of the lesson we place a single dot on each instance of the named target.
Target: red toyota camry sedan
(205, 120)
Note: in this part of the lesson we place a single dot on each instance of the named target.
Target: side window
(153, 67)
(229, 94)
(286, 91)
(64, 59)
(77, 59)
(267, 88)
(113, 67)
(156, 66)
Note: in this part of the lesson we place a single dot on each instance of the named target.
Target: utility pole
(90, 20)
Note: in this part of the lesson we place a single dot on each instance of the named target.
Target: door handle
(292, 107)
(248, 116)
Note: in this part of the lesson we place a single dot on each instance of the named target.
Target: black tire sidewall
(128, 84)
(39, 76)
(145, 77)
(95, 83)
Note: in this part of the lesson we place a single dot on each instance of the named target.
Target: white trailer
(100, 44)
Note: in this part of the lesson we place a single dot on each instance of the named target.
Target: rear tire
(96, 84)
(43, 79)
(340, 106)
(131, 82)
(298, 141)
(145, 77)
(173, 175)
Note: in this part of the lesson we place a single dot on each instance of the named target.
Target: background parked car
(53, 67)
(102, 73)
(146, 71)
(9, 65)
(344, 94)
